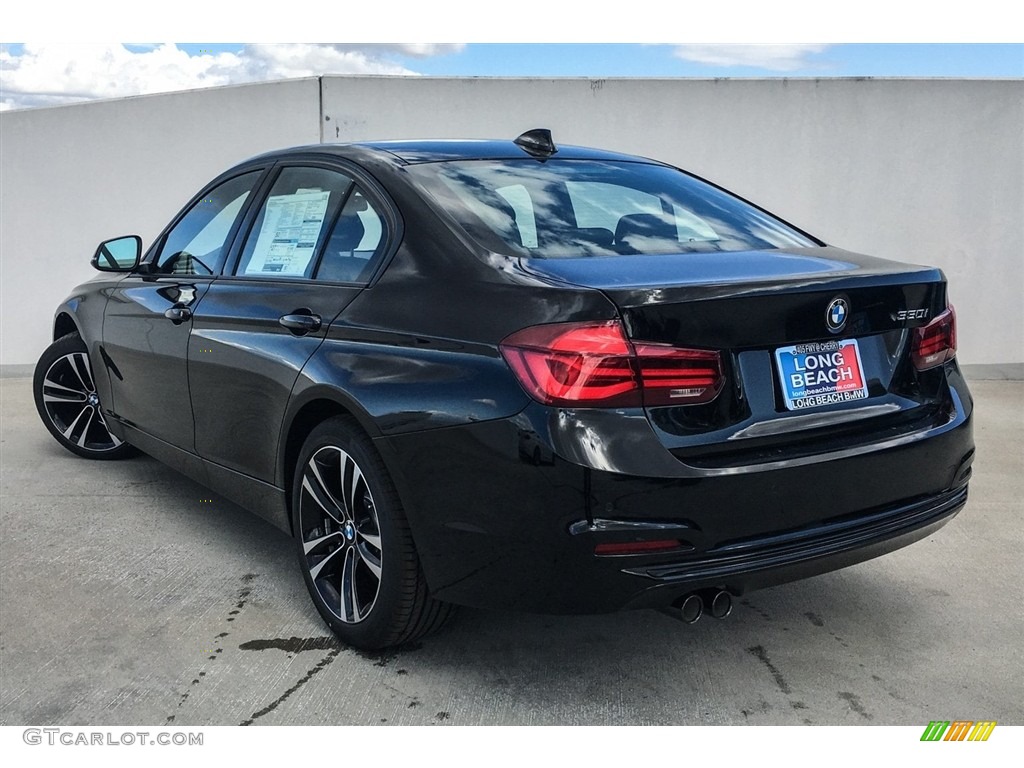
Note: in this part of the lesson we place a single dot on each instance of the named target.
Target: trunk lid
(750, 304)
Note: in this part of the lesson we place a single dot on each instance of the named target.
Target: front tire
(354, 544)
(67, 401)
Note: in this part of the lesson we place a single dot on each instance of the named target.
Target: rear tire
(67, 401)
(354, 544)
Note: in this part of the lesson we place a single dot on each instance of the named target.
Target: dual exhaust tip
(716, 602)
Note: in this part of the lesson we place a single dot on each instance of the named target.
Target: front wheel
(354, 544)
(69, 405)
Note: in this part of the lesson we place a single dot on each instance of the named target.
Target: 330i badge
(510, 373)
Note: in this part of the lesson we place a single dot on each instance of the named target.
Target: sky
(730, 38)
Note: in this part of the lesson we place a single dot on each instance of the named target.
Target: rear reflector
(636, 547)
(935, 343)
(594, 364)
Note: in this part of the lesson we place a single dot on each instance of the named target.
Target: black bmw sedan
(519, 375)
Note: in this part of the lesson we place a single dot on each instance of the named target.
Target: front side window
(197, 243)
(570, 208)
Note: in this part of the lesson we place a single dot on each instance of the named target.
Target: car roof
(410, 152)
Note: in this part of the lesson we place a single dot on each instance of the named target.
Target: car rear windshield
(571, 208)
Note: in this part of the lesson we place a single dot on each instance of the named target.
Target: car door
(310, 247)
(148, 316)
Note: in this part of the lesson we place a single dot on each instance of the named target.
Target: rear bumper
(767, 561)
(502, 518)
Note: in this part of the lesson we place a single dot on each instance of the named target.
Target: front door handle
(301, 324)
(178, 315)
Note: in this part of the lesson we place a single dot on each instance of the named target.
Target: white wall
(928, 171)
(73, 176)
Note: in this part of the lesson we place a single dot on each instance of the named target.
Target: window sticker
(291, 228)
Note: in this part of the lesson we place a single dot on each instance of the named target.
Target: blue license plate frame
(823, 373)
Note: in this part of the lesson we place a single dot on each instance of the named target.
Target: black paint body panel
(242, 366)
(150, 354)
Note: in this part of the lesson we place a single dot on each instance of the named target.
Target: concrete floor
(126, 599)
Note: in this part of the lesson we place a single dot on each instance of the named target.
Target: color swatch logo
(958, 730)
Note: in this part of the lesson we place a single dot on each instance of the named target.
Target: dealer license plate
(821, 373)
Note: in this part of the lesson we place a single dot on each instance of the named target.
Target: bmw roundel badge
(837, 314)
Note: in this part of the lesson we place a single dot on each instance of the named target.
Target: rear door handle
(301, 324)
(178, 315)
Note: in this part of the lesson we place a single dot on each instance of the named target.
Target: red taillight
(935, 343)
(574, 364)
(593, 364)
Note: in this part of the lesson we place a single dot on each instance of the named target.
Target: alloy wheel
(341, 541)
(73, 405)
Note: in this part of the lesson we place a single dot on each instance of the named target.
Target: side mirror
(121, 254)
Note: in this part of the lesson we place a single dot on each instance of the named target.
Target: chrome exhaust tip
(720, 605)
(691, 608)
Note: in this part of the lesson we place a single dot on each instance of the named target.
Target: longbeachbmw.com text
(71, 737)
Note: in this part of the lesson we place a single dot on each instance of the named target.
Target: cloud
(47, 75)
(419, 50)
(276, 62)
(781, 58)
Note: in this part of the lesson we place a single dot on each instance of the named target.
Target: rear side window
(571, 208)
(315, 222)
(356, 243)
